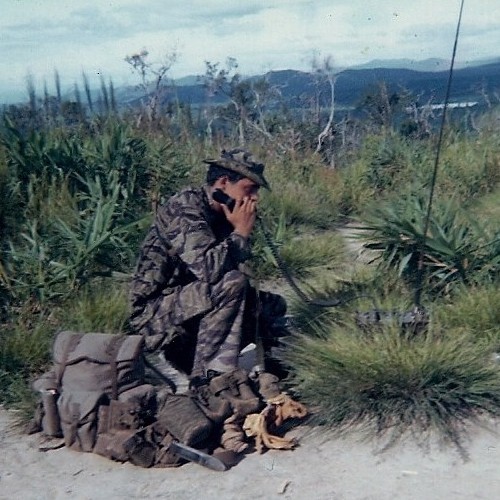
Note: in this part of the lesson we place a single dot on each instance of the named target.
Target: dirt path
(321, 468)
(334, 469)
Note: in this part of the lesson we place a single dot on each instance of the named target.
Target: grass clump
(99, 308)
(474, 310)
(26, 341)
(388, 383)
(301, 250)
(24, 351)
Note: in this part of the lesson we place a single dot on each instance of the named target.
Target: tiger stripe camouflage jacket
(188, 241)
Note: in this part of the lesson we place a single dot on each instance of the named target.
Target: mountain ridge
(468, 83)
(471, 79)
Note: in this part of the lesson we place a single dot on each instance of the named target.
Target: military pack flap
(98, 362)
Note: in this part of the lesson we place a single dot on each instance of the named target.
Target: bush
(455, 248)
(390, 384)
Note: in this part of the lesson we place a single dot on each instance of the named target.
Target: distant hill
(426, 65)
(433, 64)
(352, 84)
(426, 79)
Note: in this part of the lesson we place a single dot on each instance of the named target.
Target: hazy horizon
(39, 37)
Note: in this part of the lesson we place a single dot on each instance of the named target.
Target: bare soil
(342, 468)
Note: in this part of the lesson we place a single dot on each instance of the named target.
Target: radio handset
(220, 197)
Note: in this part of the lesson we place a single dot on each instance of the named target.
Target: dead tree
(153, 79)
(326, 73)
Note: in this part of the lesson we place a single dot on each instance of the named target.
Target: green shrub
(454, 249)
(354, 192)
(101, 306)
(303, 193)
(473, 310)
(469, 167)
(53, 257)
(390, 384)
(358, 290)
(487, 208)
(300, 252)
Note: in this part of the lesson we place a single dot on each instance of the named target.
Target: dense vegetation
(79, 182)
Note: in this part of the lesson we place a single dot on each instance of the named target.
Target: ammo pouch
(134, 409)
(48, 420)
(181, 417)
(124, 431)
(214, 407)
(235, 388)
(137, 446)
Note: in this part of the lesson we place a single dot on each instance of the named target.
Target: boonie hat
(240, 161)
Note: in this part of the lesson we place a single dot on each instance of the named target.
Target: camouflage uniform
(189, 294)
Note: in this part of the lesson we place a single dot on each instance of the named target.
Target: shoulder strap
(113, 349)
(70, 346)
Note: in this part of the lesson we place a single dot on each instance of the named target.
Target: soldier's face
(244, 188)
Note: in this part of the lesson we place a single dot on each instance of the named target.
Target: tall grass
(303, 192)
(24, 351)
(26, 342)
(99, 307)
(389, 384)
(301, 253)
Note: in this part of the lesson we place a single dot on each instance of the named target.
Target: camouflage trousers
(213, 323)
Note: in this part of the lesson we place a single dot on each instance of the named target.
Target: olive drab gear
(99, 402)
(89, 370)
(235, 388)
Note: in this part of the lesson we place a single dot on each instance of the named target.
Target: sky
(38, 37)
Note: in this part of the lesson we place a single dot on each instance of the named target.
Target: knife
(197, 456)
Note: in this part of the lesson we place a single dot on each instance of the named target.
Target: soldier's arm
(194, 242)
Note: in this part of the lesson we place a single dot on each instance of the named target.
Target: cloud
(84, 25)
(95, 36)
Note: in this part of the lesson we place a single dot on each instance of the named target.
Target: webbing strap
(113, 349)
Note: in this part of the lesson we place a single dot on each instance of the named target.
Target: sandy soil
(335, 468)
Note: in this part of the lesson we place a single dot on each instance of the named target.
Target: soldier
(189, 295)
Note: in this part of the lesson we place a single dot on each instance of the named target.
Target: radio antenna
(420, 275)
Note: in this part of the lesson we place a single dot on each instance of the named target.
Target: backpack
(90, 370)
(95, 398)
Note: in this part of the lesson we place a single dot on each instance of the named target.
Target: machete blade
(197, 456)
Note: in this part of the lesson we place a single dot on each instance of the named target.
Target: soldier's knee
(234, 283)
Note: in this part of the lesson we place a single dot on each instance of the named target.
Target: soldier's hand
(243, 215)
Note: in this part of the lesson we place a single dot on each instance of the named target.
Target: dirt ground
(344, 468)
